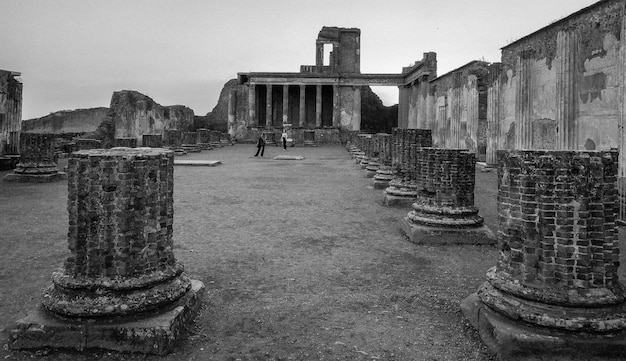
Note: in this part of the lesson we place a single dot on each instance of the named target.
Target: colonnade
(300, 105)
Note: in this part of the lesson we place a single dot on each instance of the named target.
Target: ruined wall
(10, 112)
(67, 121)
(458, 108)
(133, 114)
(561, 85)
(178, 117)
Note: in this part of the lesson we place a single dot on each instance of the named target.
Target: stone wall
(134, 114)
(561, 86)
(10, 112)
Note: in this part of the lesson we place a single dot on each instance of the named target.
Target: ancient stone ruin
(444, 182)
(121, 287)
(37, 163)
(554, 292)
(189, 142)
(204, 139)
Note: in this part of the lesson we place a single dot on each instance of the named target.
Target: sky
(74, 54)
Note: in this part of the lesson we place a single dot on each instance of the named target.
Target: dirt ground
(299, 258)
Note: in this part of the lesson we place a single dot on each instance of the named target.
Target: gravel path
(300, 260)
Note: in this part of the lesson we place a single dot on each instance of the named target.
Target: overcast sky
(75, 53)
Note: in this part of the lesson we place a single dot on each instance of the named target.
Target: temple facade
(325, 97)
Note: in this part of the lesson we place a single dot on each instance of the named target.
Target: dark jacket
(260, 143)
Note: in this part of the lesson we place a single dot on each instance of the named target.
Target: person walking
(284, 139)
(260, 145)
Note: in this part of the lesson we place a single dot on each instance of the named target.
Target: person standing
(284, 138)
(260, 145)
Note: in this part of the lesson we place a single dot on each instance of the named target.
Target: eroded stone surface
(121, 265)
(559, 255)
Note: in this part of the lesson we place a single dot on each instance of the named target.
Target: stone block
(428, 235)
(149, 334)
(520, 341)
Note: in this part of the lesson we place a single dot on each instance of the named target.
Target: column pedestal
(121, 287)
(444, 211)
(36, 163)
(554, 293)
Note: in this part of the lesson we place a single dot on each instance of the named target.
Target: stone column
(403, 107)
(252, 120)
(37, 162)
(302, 107)
(336, 105)
(493, 113)
(444, 204)
(456, 103)
(523, 106)
(385, 172)
(356, 111)
(402, 189)
(318, 106)
(556, 282)
(285, 104)
(621, 178)
(121, 263)
(152, 141)
(566, 90)
(472, 114)
(232, 110)
(268, 107)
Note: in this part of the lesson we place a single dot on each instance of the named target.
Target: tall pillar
(268, 106)
(302, 106)
(121, 287)
(403, 102)
(318, 106)
(493, 113)
(456, 102)
(285, 104)
(472, 113)
(554, 291)
(566, 95)
(356, 111)
(523, 102)
(621, 178)
(336, 102)
(412, 123)
(252, 120)
(232, 110)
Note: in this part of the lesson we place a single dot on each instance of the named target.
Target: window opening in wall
(328, 50)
